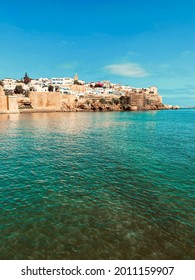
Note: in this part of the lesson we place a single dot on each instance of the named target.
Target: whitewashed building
(9, 84)
(62, 81)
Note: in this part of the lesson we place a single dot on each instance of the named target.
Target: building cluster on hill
(71, 86)
(72, 94)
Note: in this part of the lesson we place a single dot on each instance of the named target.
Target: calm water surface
(116, 185)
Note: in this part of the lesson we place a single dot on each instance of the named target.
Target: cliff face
(90, 103)
(129, 102)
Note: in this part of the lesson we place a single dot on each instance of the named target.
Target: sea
(97, 185)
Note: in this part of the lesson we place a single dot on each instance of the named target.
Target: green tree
(50, 88)
(18, 90)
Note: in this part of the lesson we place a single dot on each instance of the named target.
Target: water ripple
(97, 185)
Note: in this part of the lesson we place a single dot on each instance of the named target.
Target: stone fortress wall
(8, 104)
(45, 100)
(54, 101)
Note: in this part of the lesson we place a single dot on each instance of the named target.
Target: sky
(140, 43)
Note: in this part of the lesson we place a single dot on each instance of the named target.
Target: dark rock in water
(175, 107)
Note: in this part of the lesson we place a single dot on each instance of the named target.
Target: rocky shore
(115, 104)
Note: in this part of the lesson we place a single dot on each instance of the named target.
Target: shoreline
(29, 111)
(42, 102)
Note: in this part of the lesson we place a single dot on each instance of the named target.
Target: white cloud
(127, 70)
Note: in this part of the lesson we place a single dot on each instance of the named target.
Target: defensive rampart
(45, 100)
(54, 101)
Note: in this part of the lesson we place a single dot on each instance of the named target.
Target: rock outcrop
(113, 103)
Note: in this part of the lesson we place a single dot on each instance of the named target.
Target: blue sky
(135, 42)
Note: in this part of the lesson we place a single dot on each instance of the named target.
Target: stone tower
(76, 78)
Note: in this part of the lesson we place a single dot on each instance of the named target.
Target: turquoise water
(115, 185)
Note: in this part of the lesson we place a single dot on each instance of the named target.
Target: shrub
(102, 100)
(124, 100)
(115, 101)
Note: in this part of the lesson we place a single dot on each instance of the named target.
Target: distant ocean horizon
(97, 185)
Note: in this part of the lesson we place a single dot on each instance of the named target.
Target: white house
(62, 81)
(9, 84)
